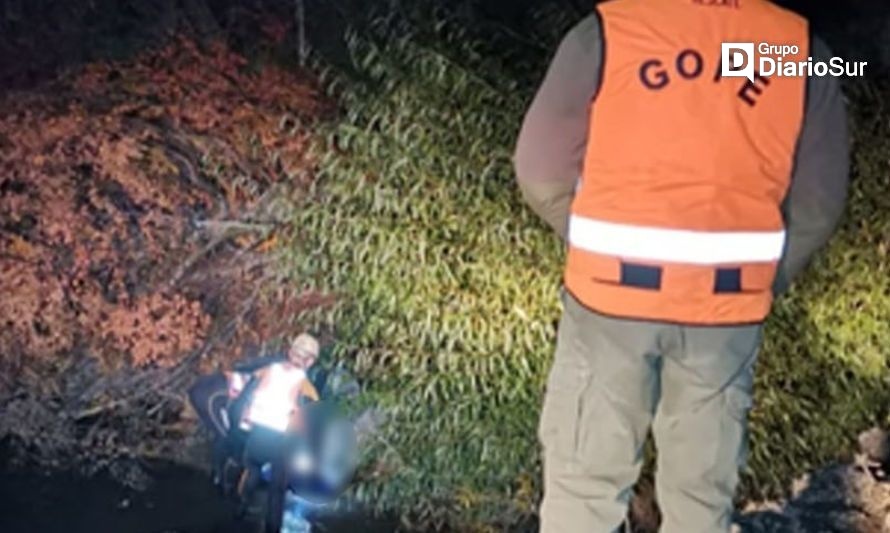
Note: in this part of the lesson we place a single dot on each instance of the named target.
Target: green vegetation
(823, 375)
(448, 285)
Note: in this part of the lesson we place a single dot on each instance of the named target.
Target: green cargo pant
(610, 380)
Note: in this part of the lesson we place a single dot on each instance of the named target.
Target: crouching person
(273, 414)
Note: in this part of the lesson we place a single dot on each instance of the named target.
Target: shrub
(448, 285)
(140, 202)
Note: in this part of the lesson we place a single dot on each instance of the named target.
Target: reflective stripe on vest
(678, 246)
(275, 398)
(677, 215)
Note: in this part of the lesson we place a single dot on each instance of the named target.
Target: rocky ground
(851, 497)
(839, 498)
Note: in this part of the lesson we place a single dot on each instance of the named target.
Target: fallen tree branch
(228, 225)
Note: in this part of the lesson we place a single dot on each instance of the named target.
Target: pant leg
(262, 446)
(701, 425)
(600, 398)
(221, 454)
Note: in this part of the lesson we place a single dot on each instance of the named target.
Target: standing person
(687, 201)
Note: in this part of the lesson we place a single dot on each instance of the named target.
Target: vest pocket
(641, 276)
(728, 280)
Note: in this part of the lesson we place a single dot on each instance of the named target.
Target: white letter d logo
(737, 60)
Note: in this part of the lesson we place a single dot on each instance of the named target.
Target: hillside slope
(140, 206)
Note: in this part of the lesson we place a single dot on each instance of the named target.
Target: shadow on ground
(177, 500)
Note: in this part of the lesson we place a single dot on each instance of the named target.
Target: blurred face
(300, 358)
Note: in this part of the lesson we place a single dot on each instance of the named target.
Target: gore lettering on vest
(653, 76)
(750, 91)
(689, 65)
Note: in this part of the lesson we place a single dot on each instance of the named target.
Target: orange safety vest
(677, 216)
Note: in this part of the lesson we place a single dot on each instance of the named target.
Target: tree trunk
(302, 46)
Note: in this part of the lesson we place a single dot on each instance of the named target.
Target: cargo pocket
(738, 403)
(558, 429)
(570, 376)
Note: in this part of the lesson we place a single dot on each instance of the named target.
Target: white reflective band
(272, 403)
(676, 246)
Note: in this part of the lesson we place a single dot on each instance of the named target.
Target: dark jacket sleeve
(552, 142)
(818, 190)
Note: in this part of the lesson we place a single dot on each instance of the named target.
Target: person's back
(683, 174)
(687, 200)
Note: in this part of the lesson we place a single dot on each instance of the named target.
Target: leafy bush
(448, 285)
(139, 206)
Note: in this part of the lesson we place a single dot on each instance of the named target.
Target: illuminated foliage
(448, 284)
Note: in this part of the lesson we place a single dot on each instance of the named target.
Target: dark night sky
(38, 37)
